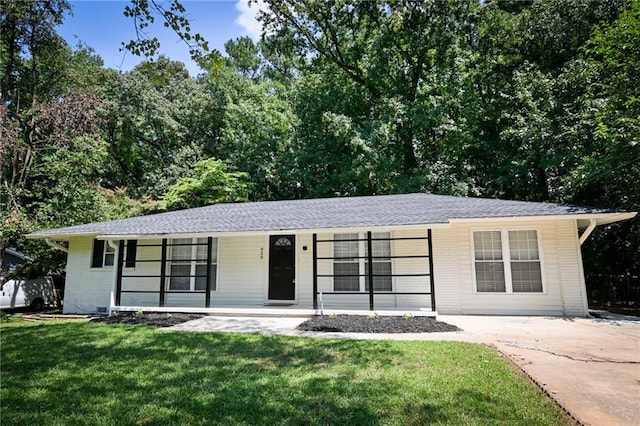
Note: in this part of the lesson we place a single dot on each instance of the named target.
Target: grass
(77, 373)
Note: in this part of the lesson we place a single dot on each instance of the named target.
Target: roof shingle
(323, 213)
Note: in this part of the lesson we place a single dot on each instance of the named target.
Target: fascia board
(600, 218)
(269, 232)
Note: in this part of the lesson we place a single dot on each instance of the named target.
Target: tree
(174, 16)
(211, 184)
(392, 50)
(604, 119)
(52, 152)
(159, 123)
(244, 55)
(30, 55)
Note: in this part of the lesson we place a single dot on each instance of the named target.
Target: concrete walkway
(590, 366)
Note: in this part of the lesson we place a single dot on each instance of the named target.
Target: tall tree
(52, 151)
(603, 121)
(157, 126)
(391, 49)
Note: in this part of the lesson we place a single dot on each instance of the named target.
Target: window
(188, 264)
(103, 254)
(526, 276)
(351, 270)
(507, 261)
(346, 266)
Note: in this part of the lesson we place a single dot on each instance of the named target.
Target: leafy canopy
(212, 184)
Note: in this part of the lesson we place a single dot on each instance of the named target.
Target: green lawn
(76, 373)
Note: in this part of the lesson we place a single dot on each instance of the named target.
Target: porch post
(370, 269)
(163, 271)
(119, 271)
(207, 297)
(314, 254)
(431, 279)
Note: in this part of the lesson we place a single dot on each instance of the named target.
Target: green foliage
(393, 58)
(605, 119)
(211, 184)
(257, 129)
(252, 379)
(158, 124)
(145, 12)
(52, 153)
(243, 55)
(532, 100)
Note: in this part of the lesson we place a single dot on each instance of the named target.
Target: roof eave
(582, 218)
(297, 231)
(600, 218)
(59, 237)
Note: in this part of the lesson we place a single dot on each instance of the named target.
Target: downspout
(56, 245)
(112, 298)
(588, 231)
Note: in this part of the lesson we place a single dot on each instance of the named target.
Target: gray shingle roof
(323, 213)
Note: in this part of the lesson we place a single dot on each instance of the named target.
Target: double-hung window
(350, 265)
(188, 264)
(507, 261)
(103, 254)
(346, 265)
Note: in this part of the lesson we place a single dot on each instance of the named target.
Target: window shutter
(132, 249)
(98, 251)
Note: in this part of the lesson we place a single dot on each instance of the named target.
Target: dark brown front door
(282, 267)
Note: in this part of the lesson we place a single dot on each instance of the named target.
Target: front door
(282, 267)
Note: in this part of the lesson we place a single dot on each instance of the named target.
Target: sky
(101, 25)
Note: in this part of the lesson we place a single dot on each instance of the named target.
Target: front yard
(78, 373)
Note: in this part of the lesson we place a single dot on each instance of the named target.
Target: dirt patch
(376, 324)
(154, 319)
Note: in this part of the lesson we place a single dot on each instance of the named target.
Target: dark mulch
(155, 319)
(633, 310)
(376, 324)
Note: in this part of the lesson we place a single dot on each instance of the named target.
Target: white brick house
(453, 255)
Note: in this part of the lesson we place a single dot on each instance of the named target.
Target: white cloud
(247, 18)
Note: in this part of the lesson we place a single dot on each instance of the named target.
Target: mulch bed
(375, 324)
(155, 319)
(326, 323)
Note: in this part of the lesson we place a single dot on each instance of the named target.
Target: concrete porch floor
(276, 311)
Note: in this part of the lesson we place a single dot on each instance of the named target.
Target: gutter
(56, 245)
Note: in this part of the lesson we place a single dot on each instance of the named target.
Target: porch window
(507, 261)
(188, 264)
(351, 268)
(103, 254)
(346, 267)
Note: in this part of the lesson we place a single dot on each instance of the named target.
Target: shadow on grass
(97, 374)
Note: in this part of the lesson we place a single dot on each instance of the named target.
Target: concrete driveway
(590, 366)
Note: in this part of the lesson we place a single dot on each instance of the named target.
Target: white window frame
(362, 263)
(194, 262)
(107, 251)
(506, 261)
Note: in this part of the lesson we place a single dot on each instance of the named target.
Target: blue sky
(101, 25)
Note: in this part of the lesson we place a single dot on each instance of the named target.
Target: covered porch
(149, 276)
